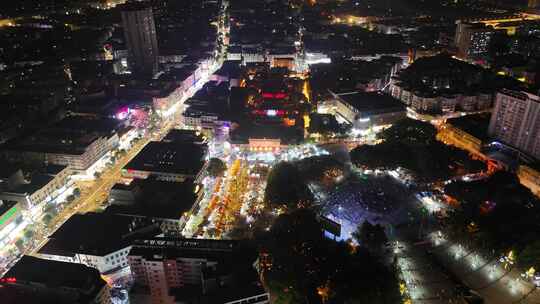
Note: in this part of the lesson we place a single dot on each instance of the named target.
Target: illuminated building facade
(516, 121)
(171, 267)
(530, 178)
(78, 142)
(264, 144)
(470, 134)
(365, 110)
(40, 189)
(441, 102)
(455, 136)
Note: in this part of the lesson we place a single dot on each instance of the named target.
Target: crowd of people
(377, 199)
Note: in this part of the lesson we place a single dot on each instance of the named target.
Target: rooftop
(245, 284)
(14, 295)
(534, 165)
(90, 124)
(135, 6)
(159, 199)
(54, 141)
(211, 99)
(37, 182)
(442, 74)
(91, 233)
(184, 136)
(346, 75)
(169, 157)
(372, 102)
(72, 135)
(476, 125)
(54, 274)
(52, 169)
(247, 131)
(7, 170)
(179, 74)
(230, 68)
(159, 248)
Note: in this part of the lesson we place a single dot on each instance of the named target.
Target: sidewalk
(484, 275)
(425, 281)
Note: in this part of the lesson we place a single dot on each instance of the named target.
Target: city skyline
(270, 151)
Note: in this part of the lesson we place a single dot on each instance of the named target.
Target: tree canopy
(370, 236)
(47, 218)
(412, 145)
(28, 233)
(216, 167)
(409, 132)
(285, 187)
(530, 256)
(325, 124)
(306, 266)
(505, 212)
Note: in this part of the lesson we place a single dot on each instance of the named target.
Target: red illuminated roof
(8, 280)
(274, 95)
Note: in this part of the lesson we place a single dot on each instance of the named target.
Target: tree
(293, 244)
(409, 132)
(499, 44)
(317, 168)
(307, 267)
(28, 233)
(370, 236)
(77, 192)
(241, 229)
(20, 244)
(47, 218)
(324, 124)
(377, 156)
(50, 208)
(211, 232)
(412, 145)
(504, 211)
(97, 175)
(121, 153)
(529, 256)
(216, 167)
(70, 198)
(285, 187)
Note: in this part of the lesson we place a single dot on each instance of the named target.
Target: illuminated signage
(7, 215)
(274, 95)
(270, 113)
(123, 113)
(8, 280)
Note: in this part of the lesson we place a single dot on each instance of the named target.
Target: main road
(95, 192)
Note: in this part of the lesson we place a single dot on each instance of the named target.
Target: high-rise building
(185, 270)
(516, 121)
(472, 39)
(140, 36)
